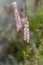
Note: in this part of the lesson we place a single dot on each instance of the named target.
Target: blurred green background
(32, 53)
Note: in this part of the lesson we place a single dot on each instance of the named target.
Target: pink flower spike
(26, 30)
(17, 16)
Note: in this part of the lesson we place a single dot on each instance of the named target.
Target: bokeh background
(13, 49)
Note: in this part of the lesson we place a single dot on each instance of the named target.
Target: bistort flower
(17, 16)
(26, 30)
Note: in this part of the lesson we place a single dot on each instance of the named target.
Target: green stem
(25, 9)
